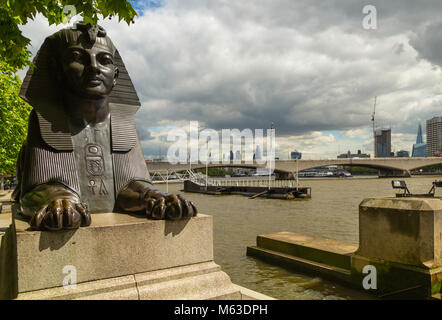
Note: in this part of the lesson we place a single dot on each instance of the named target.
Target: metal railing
(253, 183)
(201, 180)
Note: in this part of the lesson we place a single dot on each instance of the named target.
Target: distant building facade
(419, 148)
(382, 143)
(403, 154)
(295, 155)
(258, 153)
(434, 136)
(353, 155)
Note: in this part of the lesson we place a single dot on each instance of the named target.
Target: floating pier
(245, 188)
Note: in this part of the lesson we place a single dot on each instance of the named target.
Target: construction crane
(372, 121)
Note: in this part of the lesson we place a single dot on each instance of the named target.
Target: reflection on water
(332, 212)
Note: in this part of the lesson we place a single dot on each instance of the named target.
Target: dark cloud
(143, 131)
(428, 42)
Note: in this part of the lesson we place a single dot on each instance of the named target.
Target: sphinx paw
(170, 207)
(61, 214)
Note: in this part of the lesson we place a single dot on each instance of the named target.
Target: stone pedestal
(119, 256)
(402, 238)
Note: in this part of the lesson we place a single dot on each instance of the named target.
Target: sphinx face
(89, 72)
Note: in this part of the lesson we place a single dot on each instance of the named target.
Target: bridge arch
(371, 166)
(425, 165)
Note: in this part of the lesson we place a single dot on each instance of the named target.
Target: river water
(332, 212)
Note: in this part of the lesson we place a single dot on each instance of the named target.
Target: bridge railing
(253, 183)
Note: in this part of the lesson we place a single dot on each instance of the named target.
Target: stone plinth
(194, 282)
(119, 256)
(402, 230)
(402, 238)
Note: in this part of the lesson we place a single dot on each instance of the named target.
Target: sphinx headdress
(41, 90)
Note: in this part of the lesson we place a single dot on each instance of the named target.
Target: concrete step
(300, 264)
(323, 250)
(321, 256)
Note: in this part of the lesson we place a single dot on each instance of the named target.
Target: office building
(434, 136)
(382, 143)
(402, 154)
(353, 155)
(258, 153)
(295, 155)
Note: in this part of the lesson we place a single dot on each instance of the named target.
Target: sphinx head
(84, 59)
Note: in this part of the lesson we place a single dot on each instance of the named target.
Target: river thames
(332, 212)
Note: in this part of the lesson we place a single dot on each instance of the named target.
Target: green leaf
(14, 113)
(14, 46)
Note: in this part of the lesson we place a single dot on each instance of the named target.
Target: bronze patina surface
(82, 154)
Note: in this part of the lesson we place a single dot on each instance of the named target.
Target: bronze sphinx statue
(82, 153)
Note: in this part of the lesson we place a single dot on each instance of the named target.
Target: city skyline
(420, 138)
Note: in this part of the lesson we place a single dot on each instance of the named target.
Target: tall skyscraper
(419, 148)
(382, 143)
(434, 136)
(419, 135)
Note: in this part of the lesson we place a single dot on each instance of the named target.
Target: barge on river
(282, 192)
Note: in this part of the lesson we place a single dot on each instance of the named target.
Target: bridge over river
(386, 166)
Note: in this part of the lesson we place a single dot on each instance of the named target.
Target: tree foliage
(13, 45)
(215, 172)
(14, 113)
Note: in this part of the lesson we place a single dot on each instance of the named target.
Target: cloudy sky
(310, 67)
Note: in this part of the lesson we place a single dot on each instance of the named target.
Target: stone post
(402, 239)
